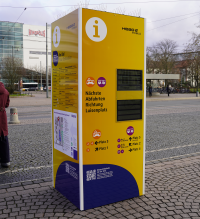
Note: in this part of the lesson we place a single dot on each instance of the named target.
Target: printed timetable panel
(65, 132)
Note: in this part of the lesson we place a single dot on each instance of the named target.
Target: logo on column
(56, 36)
(90, 81)
(96, 134)
(130, 130)
(101, 82)
(55, 58)
(96, 29)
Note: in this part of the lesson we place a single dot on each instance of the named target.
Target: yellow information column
(98, 107)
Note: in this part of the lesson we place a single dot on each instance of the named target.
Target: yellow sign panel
(99, 90)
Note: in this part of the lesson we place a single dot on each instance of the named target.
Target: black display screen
(129, 110)
(129, 80)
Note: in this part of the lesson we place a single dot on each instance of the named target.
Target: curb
(167, 99)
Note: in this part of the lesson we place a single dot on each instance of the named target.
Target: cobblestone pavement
(30, 141)
(31, 152)
(172, 133)
(173, 136)
(172, 192)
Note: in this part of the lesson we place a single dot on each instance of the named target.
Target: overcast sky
(177, 18)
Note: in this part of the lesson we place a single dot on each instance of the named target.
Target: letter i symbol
(56, 36)
(96, 29)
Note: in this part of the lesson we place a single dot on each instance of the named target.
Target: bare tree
(193, 56)
(101, 7)
(136, 13)
(153, 60)
(39, 73)
(191, 71)
(120, 10)
(12, 71)
(160, 57)
(166, 49)
(148, 61)
(35, 74)
(81, 4)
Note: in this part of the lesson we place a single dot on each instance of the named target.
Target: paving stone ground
(172, 192)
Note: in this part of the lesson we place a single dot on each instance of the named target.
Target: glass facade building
(11, 40)
(28, 43)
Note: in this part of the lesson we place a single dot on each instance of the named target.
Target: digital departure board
(129, 80)
(129, 110)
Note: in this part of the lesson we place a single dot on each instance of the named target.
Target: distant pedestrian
(168, 90)
(4, 145)
(150, 90)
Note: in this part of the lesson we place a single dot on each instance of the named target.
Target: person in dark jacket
(150, 90)
(4, 144)
(168, 90)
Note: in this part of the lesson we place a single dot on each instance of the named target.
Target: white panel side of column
(52, 131)
(144, 134)
(80, 107)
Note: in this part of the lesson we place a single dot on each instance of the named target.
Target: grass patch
(194, 90)
(18, 95)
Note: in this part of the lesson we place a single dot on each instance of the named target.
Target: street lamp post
(41, 76)
(47, 68)
(14, 47)
(1, 60)
(47, 83)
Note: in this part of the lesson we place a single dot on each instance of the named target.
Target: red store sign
(39, 33)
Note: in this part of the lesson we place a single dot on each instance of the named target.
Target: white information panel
(65, 132)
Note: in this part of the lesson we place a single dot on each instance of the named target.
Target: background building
(28, 43)
(34, 47)
(11, 41)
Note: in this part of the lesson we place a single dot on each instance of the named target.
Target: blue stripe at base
(67, 181)
(97, 192)
(119, 184)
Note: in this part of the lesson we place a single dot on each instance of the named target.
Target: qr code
(91, 175)
(67, 167)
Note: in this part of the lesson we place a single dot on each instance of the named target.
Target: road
(172, 132)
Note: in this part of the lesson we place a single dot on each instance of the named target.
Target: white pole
(47, 83)
(41, 77)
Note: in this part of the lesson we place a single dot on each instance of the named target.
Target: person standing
(4, 144)
(168, 90)
(150, 90)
